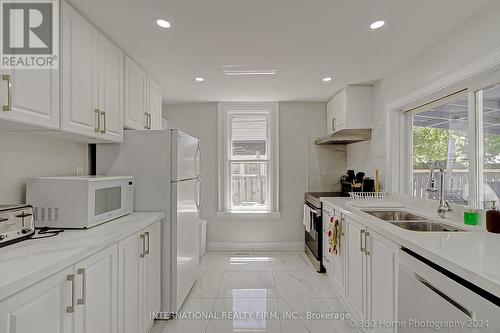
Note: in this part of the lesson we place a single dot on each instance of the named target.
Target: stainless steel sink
(426, 226)
(395, 215)
(410, 221)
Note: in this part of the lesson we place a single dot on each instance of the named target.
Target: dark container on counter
(493, 220)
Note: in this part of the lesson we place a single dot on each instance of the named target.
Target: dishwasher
(432, 299)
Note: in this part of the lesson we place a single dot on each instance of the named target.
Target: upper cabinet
(101, 91)
(92, 81)
(30, 97)
(352, 108)
(142, 98)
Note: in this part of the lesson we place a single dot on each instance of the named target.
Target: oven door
(314, 238)
(109, 200)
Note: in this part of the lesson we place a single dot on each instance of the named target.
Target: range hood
(346, 136)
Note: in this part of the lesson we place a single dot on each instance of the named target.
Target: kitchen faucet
(443, 206)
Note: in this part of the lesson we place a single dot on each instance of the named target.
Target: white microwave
(79, 202)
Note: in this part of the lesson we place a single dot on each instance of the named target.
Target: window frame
(472, 88)
(226, 111)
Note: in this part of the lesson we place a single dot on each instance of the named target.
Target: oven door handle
(314, 210)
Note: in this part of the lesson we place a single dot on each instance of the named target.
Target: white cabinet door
(97, 287)
(80, 74)
(151, 277)
(111, 90)
(154, 104)
(382, 267)
(356, 270)
(34, 97)
(42, 308)
(338, 260)
(130, 277)
(135, 95)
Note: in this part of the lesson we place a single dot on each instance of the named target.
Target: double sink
(410, 221)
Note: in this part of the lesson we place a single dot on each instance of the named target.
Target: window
(248, 160)
(489, 143)
(462, 132)
(440, 133)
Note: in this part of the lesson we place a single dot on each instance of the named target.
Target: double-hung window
(248, 160)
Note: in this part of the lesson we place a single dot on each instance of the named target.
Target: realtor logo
(30, 32)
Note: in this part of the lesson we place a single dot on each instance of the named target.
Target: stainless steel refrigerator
(166, 165)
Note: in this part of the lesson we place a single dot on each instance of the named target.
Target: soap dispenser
(493, 219)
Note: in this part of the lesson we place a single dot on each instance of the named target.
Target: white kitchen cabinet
(32, 98)
(92, 89)
(381, 255)
(110, 90)
(356, 270)
(351, 108)
(96, 307)
(154, 104)
(80, 79)
(136, 96)
(139, 280)
(151, 275)
(42, 308)
(337, 263)
(129, 284)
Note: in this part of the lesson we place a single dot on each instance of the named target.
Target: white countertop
(25, 263)
(472, 255)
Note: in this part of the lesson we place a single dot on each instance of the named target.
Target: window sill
(241, 215)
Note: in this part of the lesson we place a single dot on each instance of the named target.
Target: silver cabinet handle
(103, 114)
(146, 120)
(333, 124)
(367, 234)
(361, 237)
(98, 122)
(143, 254)
(81, 271)
(150, 121)
(8, 78)
(71, 308)
(146, 251)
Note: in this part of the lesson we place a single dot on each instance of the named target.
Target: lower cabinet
(42, 308)
(370, 279)
(96, 282)
(112, 291)
(139, 280)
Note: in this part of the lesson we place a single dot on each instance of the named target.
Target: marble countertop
(25, 263)
(473, 255)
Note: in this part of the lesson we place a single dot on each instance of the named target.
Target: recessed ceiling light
(377, 25)
(327, 79)
(199, 79)
(163, 23)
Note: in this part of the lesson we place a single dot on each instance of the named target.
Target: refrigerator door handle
(199, 193)
(200, 160)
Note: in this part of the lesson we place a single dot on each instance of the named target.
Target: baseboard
(229, 246)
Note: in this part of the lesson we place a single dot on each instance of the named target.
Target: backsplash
(26, 154)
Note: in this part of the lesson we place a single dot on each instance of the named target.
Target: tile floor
(262, 292)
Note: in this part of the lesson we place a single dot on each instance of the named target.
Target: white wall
(28, 154)
(298, 122)
(475, 37)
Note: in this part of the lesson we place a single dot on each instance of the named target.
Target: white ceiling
(304, 40)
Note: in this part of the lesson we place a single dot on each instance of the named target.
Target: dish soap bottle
(493, 219)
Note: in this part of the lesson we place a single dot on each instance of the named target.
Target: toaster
(16, 223)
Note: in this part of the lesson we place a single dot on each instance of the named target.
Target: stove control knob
(2, 237)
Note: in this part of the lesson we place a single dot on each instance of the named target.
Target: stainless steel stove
(314, 237)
